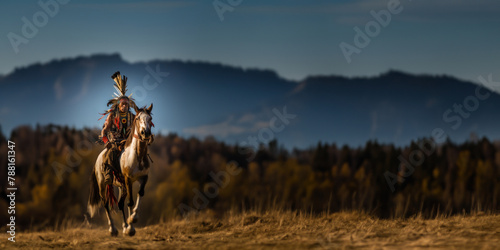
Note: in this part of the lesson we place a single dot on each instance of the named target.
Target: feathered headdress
(121, 88)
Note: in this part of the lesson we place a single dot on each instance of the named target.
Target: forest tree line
(53, 166)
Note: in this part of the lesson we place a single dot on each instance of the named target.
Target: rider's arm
(107, 125)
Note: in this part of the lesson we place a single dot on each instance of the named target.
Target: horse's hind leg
(112, 228)
(135, 215)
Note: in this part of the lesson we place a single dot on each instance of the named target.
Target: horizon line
(120, 56)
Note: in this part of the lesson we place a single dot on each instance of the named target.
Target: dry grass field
(280, 230)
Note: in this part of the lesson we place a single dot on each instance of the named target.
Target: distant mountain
(396, 107)
(231, 103)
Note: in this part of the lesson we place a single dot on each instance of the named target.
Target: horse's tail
(94, 197)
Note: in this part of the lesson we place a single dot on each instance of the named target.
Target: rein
(138, 138)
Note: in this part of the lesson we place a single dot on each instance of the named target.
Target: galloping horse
(131, 169)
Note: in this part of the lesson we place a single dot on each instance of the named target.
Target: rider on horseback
(117, 126)
(118, 122)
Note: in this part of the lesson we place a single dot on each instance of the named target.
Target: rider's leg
(108, 174)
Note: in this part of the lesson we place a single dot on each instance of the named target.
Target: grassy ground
(284, 230)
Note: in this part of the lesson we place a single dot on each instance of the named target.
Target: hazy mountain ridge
(391, 107)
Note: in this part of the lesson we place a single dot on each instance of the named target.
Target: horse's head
(143, 123)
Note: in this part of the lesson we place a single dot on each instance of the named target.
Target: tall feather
(120, 87)
(120, 83)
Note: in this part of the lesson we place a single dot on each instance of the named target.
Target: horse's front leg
(121, 206)
(130, 230)
(135, 215)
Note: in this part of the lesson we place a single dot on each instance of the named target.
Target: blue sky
(295, 38)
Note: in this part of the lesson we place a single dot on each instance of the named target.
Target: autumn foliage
(53, 165)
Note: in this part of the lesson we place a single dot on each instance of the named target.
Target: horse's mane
(131, 134)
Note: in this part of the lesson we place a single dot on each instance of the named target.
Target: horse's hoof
(132, 219)
(113, 232)
(130, 230)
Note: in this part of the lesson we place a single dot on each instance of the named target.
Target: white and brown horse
(132, 170)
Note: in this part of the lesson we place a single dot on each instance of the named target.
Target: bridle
(135, 132)
(139, 138)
